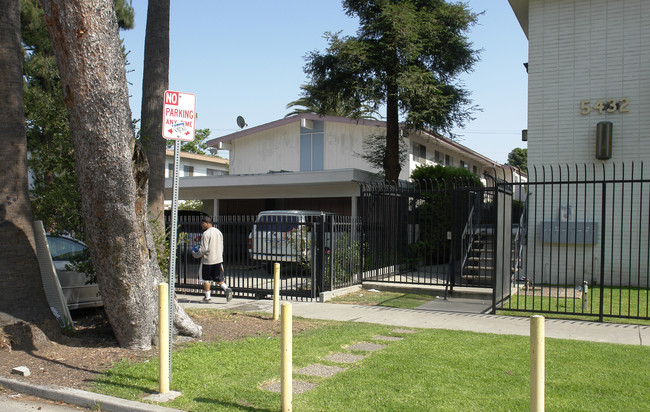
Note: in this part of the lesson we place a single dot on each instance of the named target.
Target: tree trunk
(22, 298)
(392, 166)
(111, 167)
(155, 81)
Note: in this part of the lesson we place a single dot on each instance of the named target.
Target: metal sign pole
(172, 248)
(179, 116)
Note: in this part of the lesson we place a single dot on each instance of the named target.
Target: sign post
(179, 115)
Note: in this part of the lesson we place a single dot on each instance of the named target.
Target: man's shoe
(206, 300)
(228, 295)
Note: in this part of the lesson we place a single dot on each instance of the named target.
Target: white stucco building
(312, 162)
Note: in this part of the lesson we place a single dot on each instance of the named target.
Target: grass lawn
(616, 301)
(427, 370)
(390, 299)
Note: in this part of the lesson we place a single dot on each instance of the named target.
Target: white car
(76, 289)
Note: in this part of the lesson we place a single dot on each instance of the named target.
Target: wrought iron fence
(317, 255)
(583, 244)
(433, 233)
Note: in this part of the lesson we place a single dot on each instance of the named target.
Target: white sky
(246, 58)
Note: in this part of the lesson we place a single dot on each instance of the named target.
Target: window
(64, 249)
(188, 170)
(462, 164)
(475, 170)
(438, 157)
(419, 153)
(170, 170)
(449, 161)
(215, 172)
(312, 146)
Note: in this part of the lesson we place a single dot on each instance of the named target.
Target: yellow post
(537, 372)
(276, 291)
(287, 360)
(163, 337)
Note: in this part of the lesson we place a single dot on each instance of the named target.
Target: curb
(81, 398)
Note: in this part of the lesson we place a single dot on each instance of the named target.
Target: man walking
(210, 251)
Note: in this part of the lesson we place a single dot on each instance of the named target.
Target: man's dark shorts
(213, 272)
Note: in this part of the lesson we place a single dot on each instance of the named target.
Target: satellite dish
(241, 122)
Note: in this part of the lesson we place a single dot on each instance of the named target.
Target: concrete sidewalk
(453, 314)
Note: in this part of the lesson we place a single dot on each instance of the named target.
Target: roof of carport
(326, 183)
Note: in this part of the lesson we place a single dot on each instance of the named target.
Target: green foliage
(329, 105)
(161, 238)
(56, 199)
(448, 175)
(519, 158)
(198, 146)
(374, 151)
(341, 262)
(434, 213)
(196, 205)
(407, 55)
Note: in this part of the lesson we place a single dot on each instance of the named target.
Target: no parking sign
(179, 116)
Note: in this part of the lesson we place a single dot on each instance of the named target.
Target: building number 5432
(607, 106)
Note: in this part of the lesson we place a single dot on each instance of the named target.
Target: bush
(434, 215)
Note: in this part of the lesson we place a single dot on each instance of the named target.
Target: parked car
(76, 289)
(282, 236)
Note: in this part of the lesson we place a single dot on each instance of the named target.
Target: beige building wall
(589, 61)
(582, 52)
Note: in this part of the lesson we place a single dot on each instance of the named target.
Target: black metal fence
(572, 240)
(582, 244)
(315, 255)
(433, 233)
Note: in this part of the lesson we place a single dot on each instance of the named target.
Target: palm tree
(329, 105)
(155, 81)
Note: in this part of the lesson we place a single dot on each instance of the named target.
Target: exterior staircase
(480, 266)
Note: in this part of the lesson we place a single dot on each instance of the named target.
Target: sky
(246, 58)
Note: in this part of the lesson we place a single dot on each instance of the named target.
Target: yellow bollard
(163, 337)
(276, 291)
(286, 384)
(537, 371)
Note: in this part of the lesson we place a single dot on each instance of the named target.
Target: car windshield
(277, 223)
(64, 249)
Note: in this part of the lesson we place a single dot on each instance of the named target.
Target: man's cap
(206, 219)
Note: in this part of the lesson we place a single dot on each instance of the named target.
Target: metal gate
(309, 254)
(429, 233)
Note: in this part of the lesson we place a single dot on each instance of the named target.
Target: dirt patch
(77, 360)
(551, 291)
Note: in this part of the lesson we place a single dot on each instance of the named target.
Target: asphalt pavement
(460, 312)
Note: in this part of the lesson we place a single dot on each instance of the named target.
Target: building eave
(520, 7)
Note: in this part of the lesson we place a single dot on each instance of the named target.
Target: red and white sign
(179, 116)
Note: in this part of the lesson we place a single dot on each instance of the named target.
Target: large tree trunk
(392, 166)
(111, 168)
(155, 81)
(22, 298)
